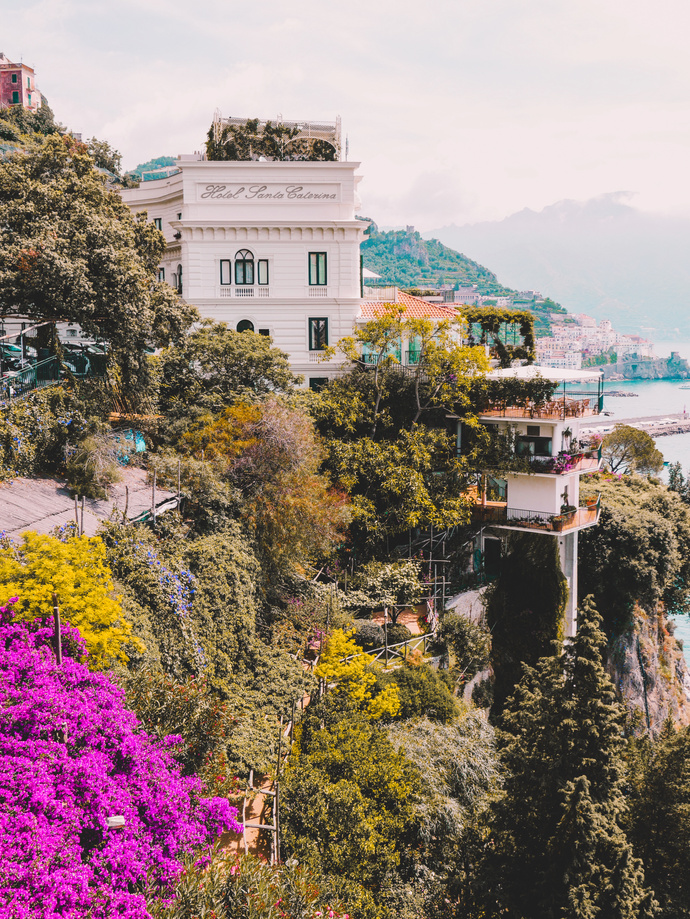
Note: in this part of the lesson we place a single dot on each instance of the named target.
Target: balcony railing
(243, 292)
(564, 463)
(515, 518)
(317, 291)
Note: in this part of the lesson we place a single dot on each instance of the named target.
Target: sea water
(658, 397)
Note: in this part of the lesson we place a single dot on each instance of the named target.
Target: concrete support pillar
(567, 548)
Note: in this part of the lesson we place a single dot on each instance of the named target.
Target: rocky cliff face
(646, 663)
(661, 368)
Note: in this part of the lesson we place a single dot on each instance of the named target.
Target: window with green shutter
(318, 274)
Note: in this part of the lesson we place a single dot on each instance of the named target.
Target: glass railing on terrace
(575, 518)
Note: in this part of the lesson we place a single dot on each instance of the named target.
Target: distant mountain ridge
(602, 257)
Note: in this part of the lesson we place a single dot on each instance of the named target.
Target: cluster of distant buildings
(580, 339)
(470, 296)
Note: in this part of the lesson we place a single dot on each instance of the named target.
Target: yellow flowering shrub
(76, 570)
(355, 677)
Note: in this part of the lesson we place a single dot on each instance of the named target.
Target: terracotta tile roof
(414, 308)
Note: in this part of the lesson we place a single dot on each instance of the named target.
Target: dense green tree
(406, 476)
(193, 603)
(678, 482)
(18, 123)
(423, 692)
(199, 596)
(215, 366)
(70, 249)
(469, 644)
(639, 552)
(348, 802)
(659, 824)
(105, 156)
(394, 585)
(628, 449)
(462, 777)
(558, 847)
(525, 609)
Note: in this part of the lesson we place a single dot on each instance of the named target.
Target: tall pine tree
(660, 824)
(559, 851)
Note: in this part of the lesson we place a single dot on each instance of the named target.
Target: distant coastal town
(576, 341)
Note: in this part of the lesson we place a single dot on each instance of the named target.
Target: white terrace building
(546, 499)
(271, 247)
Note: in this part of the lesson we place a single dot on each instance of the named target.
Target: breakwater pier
(655, 425)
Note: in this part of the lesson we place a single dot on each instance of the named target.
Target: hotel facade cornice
(270, 247)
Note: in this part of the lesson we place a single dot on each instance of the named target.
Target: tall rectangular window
(15, 98)
(14, 77)
(158, 223)
(225, 271)
(262, 271)
(161, 274)
(317, 268)
(318, 334)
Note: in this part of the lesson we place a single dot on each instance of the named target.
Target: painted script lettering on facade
(268, 192)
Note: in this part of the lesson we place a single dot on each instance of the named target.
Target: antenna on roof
(347, 146)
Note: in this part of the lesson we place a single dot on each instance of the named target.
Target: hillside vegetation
(403, 258)
(225, 639)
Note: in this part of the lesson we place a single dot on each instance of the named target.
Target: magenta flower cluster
(71, 756)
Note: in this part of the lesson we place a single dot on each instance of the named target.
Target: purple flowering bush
(71, 755)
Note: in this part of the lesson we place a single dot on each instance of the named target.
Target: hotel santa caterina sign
(265, 193)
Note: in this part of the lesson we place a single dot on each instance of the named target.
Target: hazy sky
(459, 110)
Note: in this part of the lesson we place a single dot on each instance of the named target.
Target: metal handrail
(377, 653)
(42, 373)
(537, 520)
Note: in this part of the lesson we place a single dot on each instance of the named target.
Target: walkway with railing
(20, 382)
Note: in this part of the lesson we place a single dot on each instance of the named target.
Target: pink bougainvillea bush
(71, 756)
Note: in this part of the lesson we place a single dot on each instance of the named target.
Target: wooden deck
(40, 504)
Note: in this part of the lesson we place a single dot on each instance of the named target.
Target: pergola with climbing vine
(508, 333)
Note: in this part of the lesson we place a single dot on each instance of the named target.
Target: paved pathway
(40, 504)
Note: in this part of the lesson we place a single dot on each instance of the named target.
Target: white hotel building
(271, 247)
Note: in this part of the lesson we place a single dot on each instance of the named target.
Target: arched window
(244, 267)
(245, 325)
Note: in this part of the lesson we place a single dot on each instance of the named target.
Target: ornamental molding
(210, 233)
